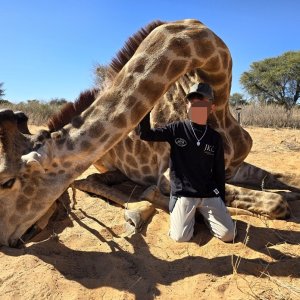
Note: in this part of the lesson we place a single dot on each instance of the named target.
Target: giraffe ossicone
(153, 73)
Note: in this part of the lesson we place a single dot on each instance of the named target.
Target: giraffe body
(36, 170)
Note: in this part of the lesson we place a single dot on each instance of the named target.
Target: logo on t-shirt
(208, 149)
(180, 142)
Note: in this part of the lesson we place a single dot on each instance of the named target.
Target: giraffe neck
(170, 51)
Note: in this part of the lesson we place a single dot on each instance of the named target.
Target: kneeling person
(197, 171)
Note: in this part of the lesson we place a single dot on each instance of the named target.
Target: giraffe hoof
(139, 213)
(133, 218)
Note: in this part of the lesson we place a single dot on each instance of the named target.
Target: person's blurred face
(198, 108)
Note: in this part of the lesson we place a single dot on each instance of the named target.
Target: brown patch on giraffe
(28, 190)
(80, 169)
(22, 204)
(239, 151)
(61, 172)
(150, 179)
(67, 164)
(77, 122)
(225, 58)
(135, 173)
(130, 101)
(54, 165)
(213, 64)
(220, 43)
(205, 48)
(218, 79)
(194, 64)
(104, 138)
(175, 68)
(146, 170)
(70, 145)
(180, 47)
(153, 160)
(128, 82)
(85, 145)
(161, 66)
(131, 161)
(152, 90)
(234, 131)
(137, 110)
(137, 65)
(25, 175)
(174, 28)
(96, 129)
(222, 92)
(220, 116)
(120, 121)
(60, 142)
(155, 45)
(128, 145)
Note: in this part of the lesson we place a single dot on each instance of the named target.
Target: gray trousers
(214, 211)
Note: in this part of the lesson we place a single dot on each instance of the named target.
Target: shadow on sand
(141, 272)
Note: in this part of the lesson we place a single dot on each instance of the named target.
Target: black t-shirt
(195, 171)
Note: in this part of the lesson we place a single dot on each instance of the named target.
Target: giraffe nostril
(8, 184)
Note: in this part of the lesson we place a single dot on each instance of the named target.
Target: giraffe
(36, 170)
(147, 163)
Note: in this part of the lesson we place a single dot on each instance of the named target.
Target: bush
(271, 115)
(37, 112)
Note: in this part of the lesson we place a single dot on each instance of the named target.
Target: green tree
(237, 99)
(275, 80)
(1, 90)
(58, 101)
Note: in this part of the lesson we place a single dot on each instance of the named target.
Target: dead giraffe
(147, 163)
(35, 171)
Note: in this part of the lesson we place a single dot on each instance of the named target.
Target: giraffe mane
(124, 55)
(86, 98)
(70, 110)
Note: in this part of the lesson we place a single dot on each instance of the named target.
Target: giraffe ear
(32, 161)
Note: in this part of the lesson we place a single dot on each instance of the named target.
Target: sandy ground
(87, 253)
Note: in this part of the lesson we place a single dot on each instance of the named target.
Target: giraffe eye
(8, 184)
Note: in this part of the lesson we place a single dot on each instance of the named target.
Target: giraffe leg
(114, 186)
(269, 204)
(251, 176)
(144, 209)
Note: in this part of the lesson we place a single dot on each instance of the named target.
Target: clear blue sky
(49, 48)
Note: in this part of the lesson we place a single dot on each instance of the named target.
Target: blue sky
(49, 48)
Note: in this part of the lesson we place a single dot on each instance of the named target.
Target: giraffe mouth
(30, 233)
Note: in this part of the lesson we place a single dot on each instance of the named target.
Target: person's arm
(161, 134)
(219, 168)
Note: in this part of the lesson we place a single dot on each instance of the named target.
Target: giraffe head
(15, 180)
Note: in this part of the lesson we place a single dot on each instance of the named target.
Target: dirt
(87, 253)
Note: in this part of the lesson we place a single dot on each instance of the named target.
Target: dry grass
(268, 116)
(276, 289)
(37, 112)
(251, 115)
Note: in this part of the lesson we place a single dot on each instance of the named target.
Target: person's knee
(228, 235)
(180, 238)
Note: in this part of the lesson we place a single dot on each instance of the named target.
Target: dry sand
(88, 255)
